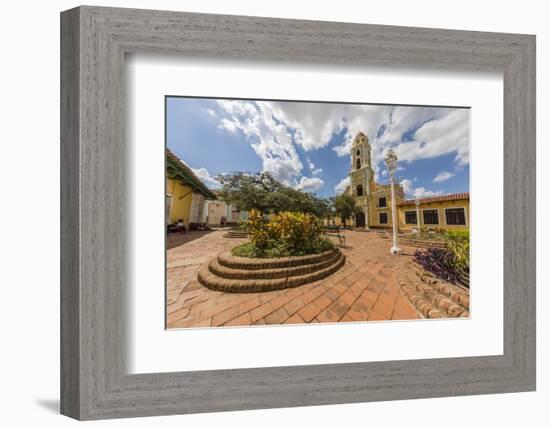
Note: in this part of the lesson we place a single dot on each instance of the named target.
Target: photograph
(283, 212)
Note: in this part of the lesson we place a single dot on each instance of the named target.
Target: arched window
(359, 190)
(358, 152)
(358, 164)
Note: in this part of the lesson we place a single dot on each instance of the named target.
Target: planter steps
(228, 273)
(422, 244)
(236, 234)
(433, 297)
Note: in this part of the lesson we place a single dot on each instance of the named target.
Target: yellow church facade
(374, 200)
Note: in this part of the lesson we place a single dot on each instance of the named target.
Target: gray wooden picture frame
(94, 381)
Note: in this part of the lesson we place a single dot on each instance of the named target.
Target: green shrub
(285, 234)
(295, 231)
(275, 250)
(425, 234)
(256, 226)
(458, 243)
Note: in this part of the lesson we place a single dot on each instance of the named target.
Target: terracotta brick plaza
(366, 288)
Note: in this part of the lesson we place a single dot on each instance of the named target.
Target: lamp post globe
(391, 164)
(391, 161)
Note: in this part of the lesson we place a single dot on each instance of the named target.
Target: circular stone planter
(228, 273)
(236, 234)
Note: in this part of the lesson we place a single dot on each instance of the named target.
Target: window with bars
(431, 216)
(410, 217)
(455, 216)
(383, 217)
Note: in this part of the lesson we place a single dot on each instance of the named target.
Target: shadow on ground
(177, 239)
(51, 405)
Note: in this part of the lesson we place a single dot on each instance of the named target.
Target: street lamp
(391, 164)
(417, 203)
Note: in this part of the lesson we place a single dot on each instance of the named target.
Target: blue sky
(307, 145)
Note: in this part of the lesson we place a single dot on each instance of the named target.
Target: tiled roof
(446, 198)
(178, 170)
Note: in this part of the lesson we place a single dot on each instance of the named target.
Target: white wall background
(29, 213)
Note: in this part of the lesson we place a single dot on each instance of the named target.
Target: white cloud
(211, 112)
(228, 125)
(428, 133)
(449, 133)
(343, 149)
(341, 186)
(443, 176)
(206, 178)
(275, 128)
(312, 168)
(269, 137)
(419, 192)
(309, 185)
(407, 185)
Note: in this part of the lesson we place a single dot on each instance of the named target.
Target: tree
(264, 193)
(344, 205)
(248, 191)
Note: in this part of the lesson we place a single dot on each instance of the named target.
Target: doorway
(360, 219)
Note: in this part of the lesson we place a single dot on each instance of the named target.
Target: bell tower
(361, 178)
(361, 170)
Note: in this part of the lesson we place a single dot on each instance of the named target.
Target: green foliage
(458, 244)
(345, 207)
(428, 234)
(285, 234)
(295, 231)
(248, 191)
(274, 250)
(264, 193)
(257, 227)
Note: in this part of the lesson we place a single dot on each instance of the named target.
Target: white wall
(29, 166)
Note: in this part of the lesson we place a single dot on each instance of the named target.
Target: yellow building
(185, 193)
(451, 211)
(374, 199)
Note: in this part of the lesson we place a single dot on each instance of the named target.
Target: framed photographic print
(261, 213)
(299, 235)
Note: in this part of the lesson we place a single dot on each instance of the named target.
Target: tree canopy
(264, 193)
(344, 206)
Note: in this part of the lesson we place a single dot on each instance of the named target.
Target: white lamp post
(417, 203)
(391, 164)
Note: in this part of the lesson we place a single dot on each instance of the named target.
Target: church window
(359, 190)
(410, 217)
(382, 203)
(383, 216)
(431, 216)
(358, 164)
(358, 152)
(455, 216)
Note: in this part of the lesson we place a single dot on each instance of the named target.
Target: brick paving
(366, 288)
